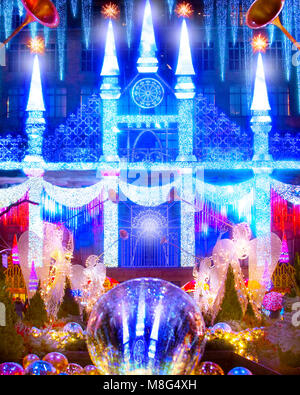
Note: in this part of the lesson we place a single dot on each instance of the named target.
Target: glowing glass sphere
(145, 326)
(40, 368)
(221, 326)
(58, 360)
(210, 369)
(239, 371)
(74, 369)
(73, 328)
(11, 369)
(29, 359)
(91, 370)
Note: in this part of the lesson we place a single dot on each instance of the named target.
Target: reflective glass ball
(74, 369)
(221, 326)
(73, 328)
(57, 360)
(28, 359)
(210, 369)
(91, 370)
(40, 368)
(11, 369)
(145, 326)
(239, 371)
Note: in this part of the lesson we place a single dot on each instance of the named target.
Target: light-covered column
(111, 222)
(186, 130)
(110, 136)
(35, 122)
(110, 93)
(187, 219)
(36, 231)
(262, 201)
(185, 93)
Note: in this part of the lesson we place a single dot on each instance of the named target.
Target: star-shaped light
(110, 10)
(259, 43)
(36, 45)
(184, 9)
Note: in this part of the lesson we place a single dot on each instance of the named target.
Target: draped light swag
(288, 192)
(144, 196)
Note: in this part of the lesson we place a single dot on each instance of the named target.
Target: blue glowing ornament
(145, 326)
(222, 326)
(40, 368)
(239, 371)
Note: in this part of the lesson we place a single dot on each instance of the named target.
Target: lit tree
(250, 317)
(68, 306)
(36, 313)
(230, 309)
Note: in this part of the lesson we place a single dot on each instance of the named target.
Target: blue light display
(287, 20)
(234, 10)
(207, 138)
(129, 19)
(61, 35)
(86, 10)
(222, 6)
(208, 17)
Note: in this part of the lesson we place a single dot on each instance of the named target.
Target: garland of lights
(288, 192)
(225, 195)
(74, 197)
(147, 196)
(11, 195)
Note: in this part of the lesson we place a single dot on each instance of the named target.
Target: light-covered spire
(185, 87)
(260, 120)
(260, 102)
(36, 100)
(110, 63)
(147, 62)
(185, 63)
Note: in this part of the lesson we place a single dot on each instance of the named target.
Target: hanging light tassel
(15, 252)
(33, 280)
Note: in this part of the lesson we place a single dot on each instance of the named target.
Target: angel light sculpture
(57, 254)
(210, 273)
(89, 280)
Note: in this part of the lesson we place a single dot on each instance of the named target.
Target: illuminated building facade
(181, 125)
